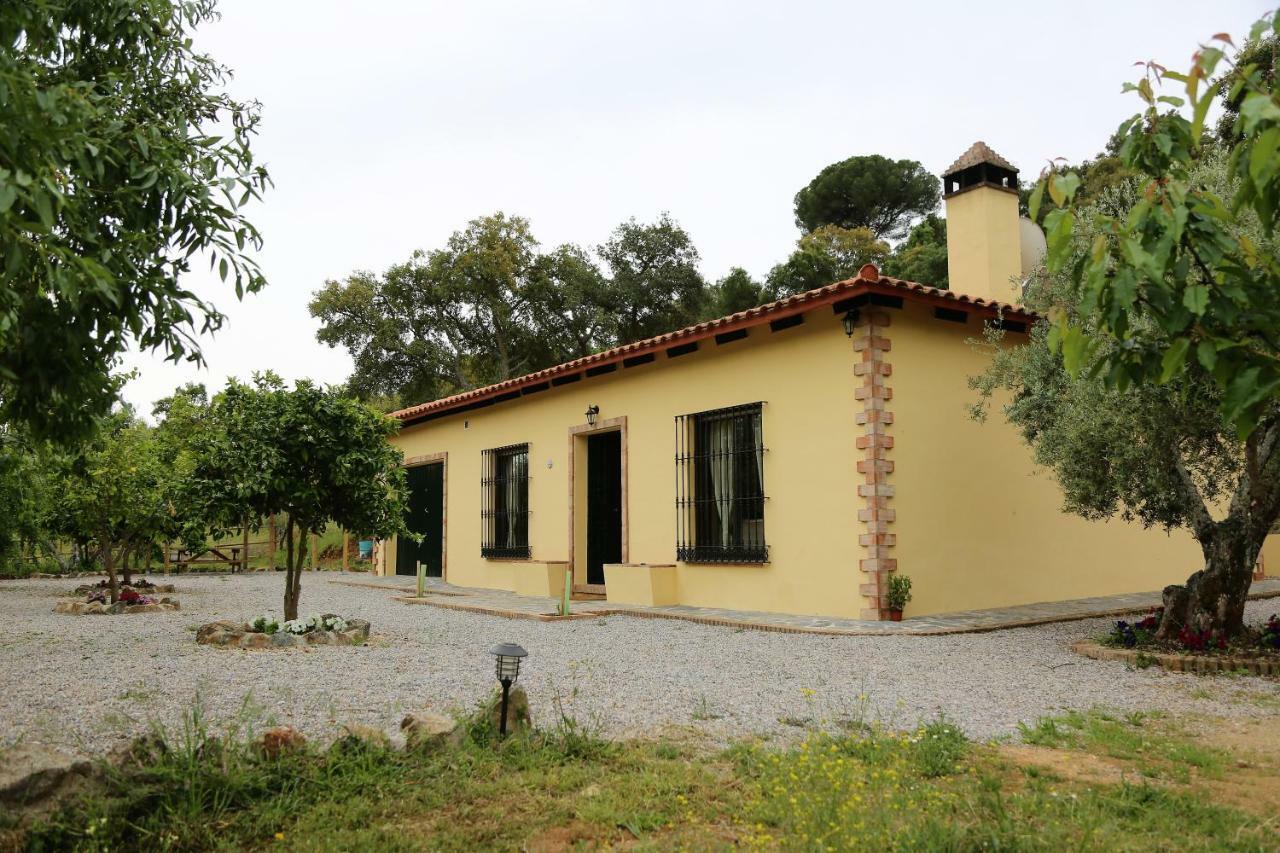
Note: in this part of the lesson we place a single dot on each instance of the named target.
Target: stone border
(870, 338)
(1201, 664)
(94, 608)
(236, 635)
(508, 614)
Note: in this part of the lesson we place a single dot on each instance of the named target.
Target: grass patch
(1159, 748)
(929, 789)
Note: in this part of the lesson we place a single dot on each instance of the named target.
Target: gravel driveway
(84, 681)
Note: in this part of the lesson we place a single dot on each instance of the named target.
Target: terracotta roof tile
(979, 152)
(868, 281)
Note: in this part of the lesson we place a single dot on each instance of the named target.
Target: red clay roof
(868, 281)
(979, 152)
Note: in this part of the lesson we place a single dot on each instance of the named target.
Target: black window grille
(504, 487)
(720, 486)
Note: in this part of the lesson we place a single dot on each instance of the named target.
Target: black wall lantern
(508, 657)
(593, 412)
(850, 320)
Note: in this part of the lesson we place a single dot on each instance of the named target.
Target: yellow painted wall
(804, 376)
(978, 524)
(1270, 556)
(983, 246)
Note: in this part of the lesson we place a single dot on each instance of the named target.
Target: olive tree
(306, 452)
(1153, 390)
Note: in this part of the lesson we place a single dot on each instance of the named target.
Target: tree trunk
(109, 566)
(1213, 598)
(294, 557)
(124, 566)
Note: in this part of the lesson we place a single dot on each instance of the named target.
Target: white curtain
(720, 435)
(759, 445)
(514, 475)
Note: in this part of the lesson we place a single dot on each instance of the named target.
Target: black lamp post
(592, 412)
(508, 656)
(850, 320)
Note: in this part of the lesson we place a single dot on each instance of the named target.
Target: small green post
(568, 588)
(422, 579)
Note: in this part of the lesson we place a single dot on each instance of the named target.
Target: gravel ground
(85, 681)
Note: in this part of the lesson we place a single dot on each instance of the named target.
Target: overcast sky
(388, 124)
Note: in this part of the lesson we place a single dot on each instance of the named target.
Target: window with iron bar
(720, 486)
(504, 515)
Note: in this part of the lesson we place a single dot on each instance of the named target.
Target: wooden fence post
(271, 534)
(346, 551)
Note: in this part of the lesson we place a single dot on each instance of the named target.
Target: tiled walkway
(496, 602)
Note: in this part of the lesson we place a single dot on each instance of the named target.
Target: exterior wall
(984, 255)
(803, 374)
(978, 524)
(1270, 556)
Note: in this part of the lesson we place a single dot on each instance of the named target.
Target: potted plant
(899, 595)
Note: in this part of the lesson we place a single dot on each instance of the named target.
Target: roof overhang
(868, 288)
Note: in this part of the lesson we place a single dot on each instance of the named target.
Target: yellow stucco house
(788, 458)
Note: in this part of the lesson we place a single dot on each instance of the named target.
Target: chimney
(984, 240)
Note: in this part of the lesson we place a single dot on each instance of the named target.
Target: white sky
(388, 124)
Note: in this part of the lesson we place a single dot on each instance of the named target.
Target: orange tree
(307, 452)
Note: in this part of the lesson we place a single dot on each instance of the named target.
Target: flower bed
(128, 602)
(266, 632)
(1256, 649)
(144, 587)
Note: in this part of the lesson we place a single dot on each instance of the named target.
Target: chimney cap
(978, 153)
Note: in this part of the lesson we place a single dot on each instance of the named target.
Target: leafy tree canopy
(825, 255)
(654, 283)
(736, 292)
(112, 491)
(308, 452)
(871, 192)
(922, 256)
(121, 160)
(1152, 393)
(490, 306)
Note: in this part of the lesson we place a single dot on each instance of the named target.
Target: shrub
(899, 591)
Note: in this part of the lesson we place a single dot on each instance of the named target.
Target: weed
(703, 710)
(939, 746)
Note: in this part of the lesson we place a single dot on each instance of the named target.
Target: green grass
(1158, 751)
(929, 789)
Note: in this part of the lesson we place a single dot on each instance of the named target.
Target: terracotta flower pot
(895, 615)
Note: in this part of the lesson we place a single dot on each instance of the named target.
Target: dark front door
(424, 515)
(604, 503)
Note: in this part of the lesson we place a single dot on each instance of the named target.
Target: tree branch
(1202, 524)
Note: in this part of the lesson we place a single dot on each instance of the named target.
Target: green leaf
(1174, 359)
(1075, 349)
(1057, 229)
(1207, 354)
(1196, 299)
(1264, 159)
(1033, 203)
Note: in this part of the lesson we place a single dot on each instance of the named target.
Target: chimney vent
(984, 243)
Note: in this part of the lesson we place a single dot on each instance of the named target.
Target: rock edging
(1201, 664)
(94, 608)
(237, 635)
